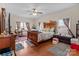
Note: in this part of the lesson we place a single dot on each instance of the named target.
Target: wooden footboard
(33, 36)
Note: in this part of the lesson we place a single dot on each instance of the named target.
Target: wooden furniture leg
(13, 38)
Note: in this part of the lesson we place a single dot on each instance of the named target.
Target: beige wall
(72, 13)
(15, 18)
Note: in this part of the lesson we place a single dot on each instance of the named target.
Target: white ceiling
(21, 9)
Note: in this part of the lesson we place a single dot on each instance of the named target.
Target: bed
(37, 36)
(43, 36)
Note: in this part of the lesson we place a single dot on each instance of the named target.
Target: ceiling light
(34, 14)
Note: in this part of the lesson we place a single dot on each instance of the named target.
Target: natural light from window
(61, 23)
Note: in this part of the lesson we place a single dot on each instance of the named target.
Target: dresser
(7, 42)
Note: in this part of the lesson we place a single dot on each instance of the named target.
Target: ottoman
(55, 40)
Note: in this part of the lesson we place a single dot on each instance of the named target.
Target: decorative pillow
(52, 29)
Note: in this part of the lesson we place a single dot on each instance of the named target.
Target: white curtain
(66, 22)
(17, 25)
(28, 26)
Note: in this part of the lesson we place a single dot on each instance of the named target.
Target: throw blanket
(44, 36)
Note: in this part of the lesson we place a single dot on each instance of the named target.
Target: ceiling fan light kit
(34, 14)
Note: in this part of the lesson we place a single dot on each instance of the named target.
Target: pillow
(52, 30)
(45, 30)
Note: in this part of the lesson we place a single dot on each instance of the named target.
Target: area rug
(29, 42)
(59, 49)
(8, 52)
(20, 39)
(19, 46)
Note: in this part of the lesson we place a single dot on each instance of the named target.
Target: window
(21, 25)
(61, 23)
(62, 29)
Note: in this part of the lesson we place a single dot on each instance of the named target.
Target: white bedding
(44, 36)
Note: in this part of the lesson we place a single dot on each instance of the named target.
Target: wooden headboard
(50, 24)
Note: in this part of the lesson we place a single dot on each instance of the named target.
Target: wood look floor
(40, 50)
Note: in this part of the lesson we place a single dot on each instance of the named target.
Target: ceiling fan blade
(40, 12)
(28, 11)
(30, 14)
(34, 11)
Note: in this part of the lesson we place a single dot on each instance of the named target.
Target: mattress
(44, 36)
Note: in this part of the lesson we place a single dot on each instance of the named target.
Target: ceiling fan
(35, 12)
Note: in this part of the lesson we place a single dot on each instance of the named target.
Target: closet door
(2, 20)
